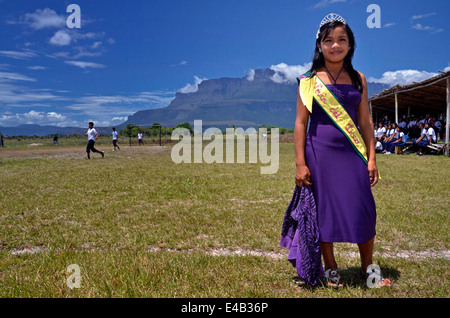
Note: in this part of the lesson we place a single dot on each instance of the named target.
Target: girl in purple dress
(327, 162)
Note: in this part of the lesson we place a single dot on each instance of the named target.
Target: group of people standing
(422, 132)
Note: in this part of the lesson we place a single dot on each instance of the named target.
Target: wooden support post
(396, 108)
(447, 145)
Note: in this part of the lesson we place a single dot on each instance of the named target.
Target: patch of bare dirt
(77, 152)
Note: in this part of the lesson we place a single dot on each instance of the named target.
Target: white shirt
(380, 132)
(91, 134)
(431, 133)
(424, 132)
(378, 145)
(402, 124)
(391, 132)
(396, 135)
(139, 136)
(114, 134)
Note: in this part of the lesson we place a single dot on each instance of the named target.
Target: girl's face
(335, 45)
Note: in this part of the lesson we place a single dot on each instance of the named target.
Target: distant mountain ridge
(223, 102)
(242, 102)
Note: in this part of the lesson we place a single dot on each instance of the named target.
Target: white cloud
(402, 77)
(388, 25)
(119, 119)
(157, 98)
(18, 55)
(96, 45)
(421, 27)
(161, 99)
(287, 74)
(192, 88)
(7, 77)
(421, 16)
(251, 75)
(90, 35)
(81, 53)
(53, 116)
(326, 3)
(32, 117)
(67, 36)
(46, 18)
(60, 38)
(437, 31)
(21, 96)
(37, 68)
(179, 64)
(106, 110)
(62, 54)
(85, 65)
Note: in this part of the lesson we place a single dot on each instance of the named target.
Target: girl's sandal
(385, 282)
(333, 277)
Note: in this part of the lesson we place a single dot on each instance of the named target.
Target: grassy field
(76, 141)
(139, 225)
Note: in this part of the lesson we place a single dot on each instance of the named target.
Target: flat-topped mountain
(261, 99)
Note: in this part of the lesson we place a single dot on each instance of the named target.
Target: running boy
(114, 136)
(92, 137)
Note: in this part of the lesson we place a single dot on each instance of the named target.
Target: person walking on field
(141, 142)
(334, 158)
(92, 137)
(114, 137)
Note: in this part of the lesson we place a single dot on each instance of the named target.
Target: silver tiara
(329, 18)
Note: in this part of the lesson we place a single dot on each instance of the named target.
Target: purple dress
(340, 180)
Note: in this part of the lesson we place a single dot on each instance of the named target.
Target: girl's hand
(373, 173)
(303, 176)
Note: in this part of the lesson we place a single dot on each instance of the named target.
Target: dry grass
(139, 225)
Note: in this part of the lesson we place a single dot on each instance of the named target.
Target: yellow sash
(313, 88)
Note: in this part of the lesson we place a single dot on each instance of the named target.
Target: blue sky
(134, 55)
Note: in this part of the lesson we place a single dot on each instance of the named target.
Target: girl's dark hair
(319, 60)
